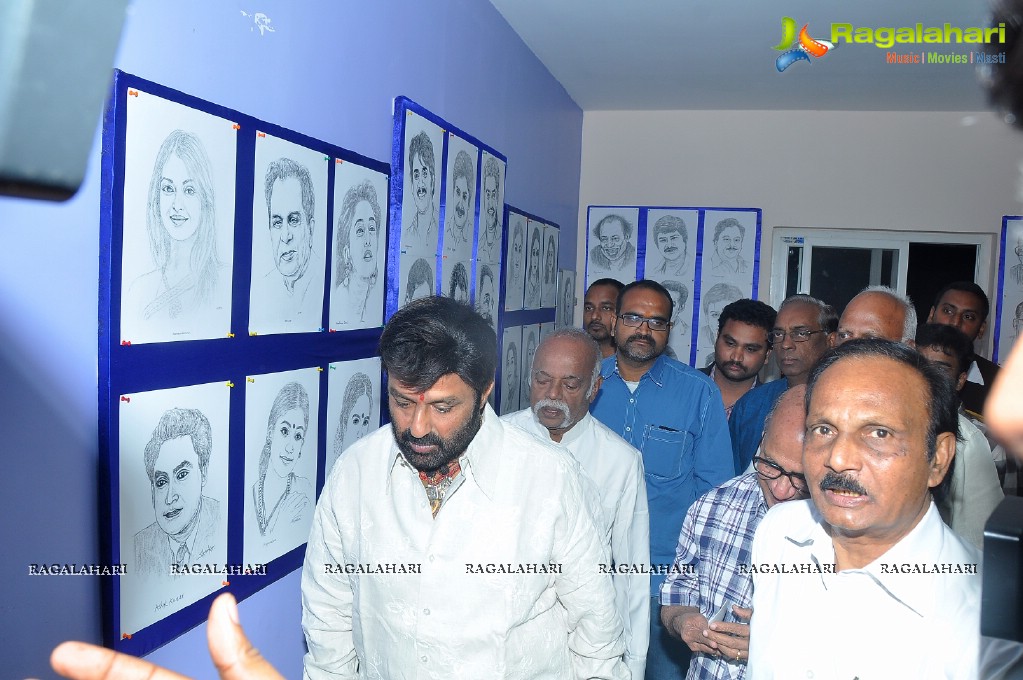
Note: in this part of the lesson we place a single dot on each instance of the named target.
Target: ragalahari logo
(805, 48)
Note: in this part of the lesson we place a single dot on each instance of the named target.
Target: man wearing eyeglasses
(673, 415)
(803, 331)
(712, 569)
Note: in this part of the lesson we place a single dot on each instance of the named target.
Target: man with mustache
(498, 525)
(711, 570)
(599, 307)
(672, 240)
(869, 552)
(741, 349)
(463, 182)
(803, 331)
(489, 249)
(672, 413)
(422, 174)
(564, 381)
(727, 259)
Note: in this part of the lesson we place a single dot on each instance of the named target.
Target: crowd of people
(646, 519)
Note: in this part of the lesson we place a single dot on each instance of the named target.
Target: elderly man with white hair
(878, 312)
(563, 381)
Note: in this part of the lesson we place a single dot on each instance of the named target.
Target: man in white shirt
(564, 381)
(865, 580)
(451, 544)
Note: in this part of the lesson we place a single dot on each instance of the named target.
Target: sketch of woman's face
(511, 370)
(357, 425)
(180, 208)
(517, 253)
(534, 260)
(549, 263)
(461, 202)
(177, 486)
(286, 442)
(363, 239)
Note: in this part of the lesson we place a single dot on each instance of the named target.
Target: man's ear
(982, 330)
(486, 395)
(944, 453)
(596, 388)
(930, 316)
(960, 381)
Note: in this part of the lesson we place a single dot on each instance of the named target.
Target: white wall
(921, 171)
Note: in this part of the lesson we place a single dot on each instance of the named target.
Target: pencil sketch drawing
(458, 286)
(1016, 271)
(566, 312)
(420, 281)
(550, 270)
(357, 272)
(182, 231)
(177, 459)
(671, 238)
(714, 301)
(422, 230)
(679, 339)
(511, 378)
(533, 269)
(290, 204)
(486, 295)
(489, 249)
(356, 418)
(614, 252)
(516, 265)
(529, 343)
(727, 259)
(458, 230)
(282, 498)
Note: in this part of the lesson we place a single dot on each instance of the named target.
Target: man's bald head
(782, 445)
(878, 312)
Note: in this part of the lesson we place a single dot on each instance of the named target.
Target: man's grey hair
(591, 348)
(827, 318)
(909, 325)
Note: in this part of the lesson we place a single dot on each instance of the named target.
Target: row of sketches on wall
(1009, 325)
(705, 258)
(249, 273)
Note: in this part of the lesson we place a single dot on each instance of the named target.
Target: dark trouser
(667, 658)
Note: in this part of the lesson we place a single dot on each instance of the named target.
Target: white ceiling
(717, 54)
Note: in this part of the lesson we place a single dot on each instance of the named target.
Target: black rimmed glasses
(635, 321)
(797, 335)
(768, 470)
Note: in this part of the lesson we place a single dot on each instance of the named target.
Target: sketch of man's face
(363, 240)
(530, 351)
(422, 185)
(612, 239)
(511, 370)
(461, 202)
(728, 243)
(358, 421)
(490, 202)
(286, 445)
(180, 206)
(713, 314)
(516, 255)
(486, 299)
(671, 245)
(1019, 250)
(290, 228)
(177, 486)
(678, 307)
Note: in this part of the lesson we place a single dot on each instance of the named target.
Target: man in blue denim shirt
(674, 415)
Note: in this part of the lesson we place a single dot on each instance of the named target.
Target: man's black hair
(645, 284)
(614, 283)
(947, 339)
(437, 336)
(752, 312)
(966, 287)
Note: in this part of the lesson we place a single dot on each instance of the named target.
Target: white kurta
(520, 508)
(616, 469)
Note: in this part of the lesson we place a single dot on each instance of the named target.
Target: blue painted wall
(330, 69)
